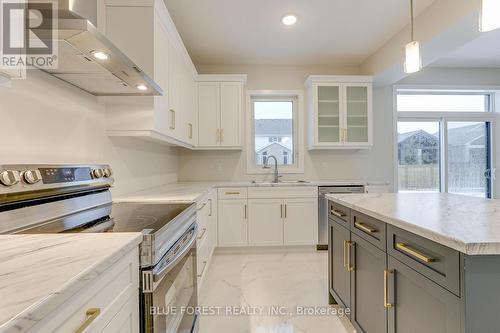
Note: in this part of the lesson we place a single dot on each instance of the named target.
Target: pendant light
(490, 15)
(413, 58)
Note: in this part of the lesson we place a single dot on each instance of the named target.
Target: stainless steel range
(77, 198)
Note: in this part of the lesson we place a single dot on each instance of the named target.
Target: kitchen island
(401, 261)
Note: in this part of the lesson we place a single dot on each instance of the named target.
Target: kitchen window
(444, 142)
(274, 130)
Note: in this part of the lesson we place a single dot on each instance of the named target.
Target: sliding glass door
(469, 160)
(419, 156)
(444, 156)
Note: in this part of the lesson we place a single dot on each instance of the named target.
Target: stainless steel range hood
(78, 41)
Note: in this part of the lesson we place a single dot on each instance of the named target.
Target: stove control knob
(9, 177)
(108, 173)
(32, 176)
(97, 173)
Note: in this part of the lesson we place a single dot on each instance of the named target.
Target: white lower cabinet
(264, 216)
(265, 224)
(232, 222)
(110, 304)
(283, 221)
(207, 230)
(300, 221)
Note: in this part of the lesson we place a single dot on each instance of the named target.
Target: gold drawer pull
(386, 283)
(91, 314)
(366, 228)
(203, 269)
(203, 233)
(349, 267)
(414, 253)
(345, 245)
(172, 125)
(232, 193)
(338, 213)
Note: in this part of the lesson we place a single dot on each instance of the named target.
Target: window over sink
(274, 130)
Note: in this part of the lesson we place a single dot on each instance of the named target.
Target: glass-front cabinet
(340, 112)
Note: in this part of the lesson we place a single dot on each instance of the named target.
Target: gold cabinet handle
(210, 211)
(203, 269)
(414, 253)
(246, 211)
(203, 233)
(190, 135)
(91, 315)
(172, 125)
(364, 227)
(232, 193)
(349, 267)
(386, 287)
(345, 260)
(281, 210)
(338, 213)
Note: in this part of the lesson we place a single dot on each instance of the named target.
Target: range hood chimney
(86, 58)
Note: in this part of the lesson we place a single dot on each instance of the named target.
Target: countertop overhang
(39, 273)
(467, 224)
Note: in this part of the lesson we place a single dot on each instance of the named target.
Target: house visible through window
(274, 128)
(443, 144)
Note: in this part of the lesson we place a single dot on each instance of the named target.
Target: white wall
(372, 165)
(44, 120)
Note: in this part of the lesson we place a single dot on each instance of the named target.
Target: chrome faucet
(266, 166)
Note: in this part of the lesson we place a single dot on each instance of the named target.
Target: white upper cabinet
(220, 111)
(340, 114)
(145, 32)
(208, 113)
(231, 114)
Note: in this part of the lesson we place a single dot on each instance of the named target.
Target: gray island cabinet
(398, 281)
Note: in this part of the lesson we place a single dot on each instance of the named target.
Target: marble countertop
(188, 192)
(38, 273)
(467, 224)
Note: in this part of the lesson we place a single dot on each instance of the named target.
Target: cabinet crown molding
(222, 78)
(337, 79)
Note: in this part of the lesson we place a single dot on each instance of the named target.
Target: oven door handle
(164, 269)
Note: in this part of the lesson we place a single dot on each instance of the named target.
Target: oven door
(169, 291)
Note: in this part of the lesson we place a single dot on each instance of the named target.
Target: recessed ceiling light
(142, 87)
(289, 19)
(100, 55)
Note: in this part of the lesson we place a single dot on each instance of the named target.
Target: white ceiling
(482, 52)
(329, 32)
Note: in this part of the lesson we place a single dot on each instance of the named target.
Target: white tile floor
(262, 279)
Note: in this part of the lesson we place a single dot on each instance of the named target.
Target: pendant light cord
(411, 21)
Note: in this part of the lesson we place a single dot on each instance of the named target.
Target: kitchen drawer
(203, 255)
(268, 192)
(232, 193)
(372, 230)
(108, 293)
(437, 262)
(339, 213)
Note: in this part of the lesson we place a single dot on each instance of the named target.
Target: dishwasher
(323, 209)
